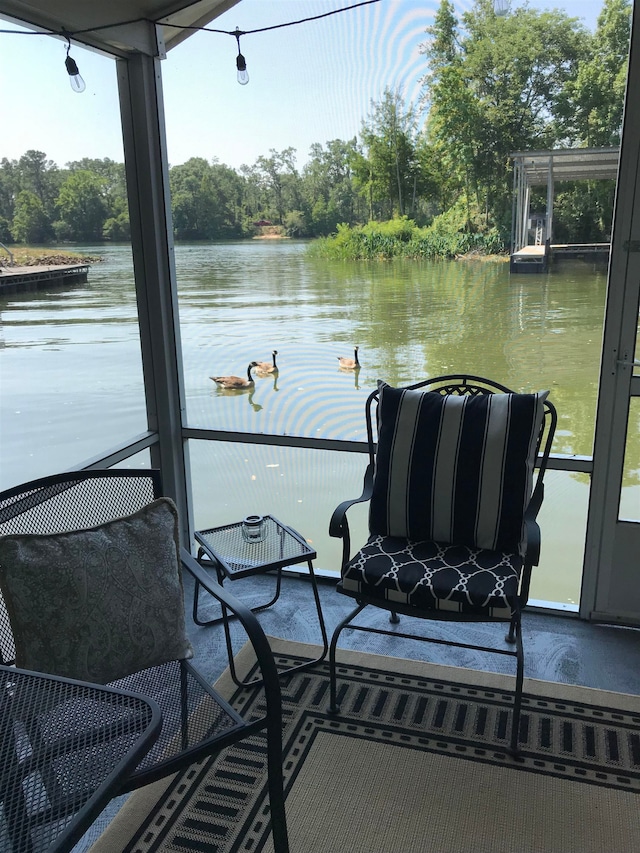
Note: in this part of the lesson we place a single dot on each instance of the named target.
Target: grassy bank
(402, 238)
(25, 256)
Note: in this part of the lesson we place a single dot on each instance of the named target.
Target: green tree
(388, 171)
(590, 106)
(30, 222)
(206, 200)
(255, 201)
(9, 187)
(117, 228)
(82, 206)
(281, 181)
(328, 188)
(187, 201)
(114, 185)
(40, 176)
(228, 188)
(490, 91)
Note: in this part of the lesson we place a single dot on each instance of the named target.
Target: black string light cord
(67, 33)
(77, 83)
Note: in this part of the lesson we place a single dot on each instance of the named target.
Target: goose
(234, 382)
(349, 363)
(265, 367)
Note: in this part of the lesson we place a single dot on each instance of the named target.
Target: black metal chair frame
(64, 502)
(339, 528)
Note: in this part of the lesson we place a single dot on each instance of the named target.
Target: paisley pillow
(101, 603)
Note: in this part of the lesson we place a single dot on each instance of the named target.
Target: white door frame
(611, 587)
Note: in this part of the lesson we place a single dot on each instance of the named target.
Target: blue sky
(312, 82)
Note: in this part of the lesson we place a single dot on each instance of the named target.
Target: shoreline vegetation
(26, 257)
(402, 238)
(32, 258)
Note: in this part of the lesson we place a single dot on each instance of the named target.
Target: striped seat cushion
(434, 576)
(455, 469)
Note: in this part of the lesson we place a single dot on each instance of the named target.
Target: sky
(308, 83)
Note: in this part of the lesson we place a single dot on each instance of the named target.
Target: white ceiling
(98, 18)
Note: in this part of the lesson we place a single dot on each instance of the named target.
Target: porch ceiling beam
(118, 28)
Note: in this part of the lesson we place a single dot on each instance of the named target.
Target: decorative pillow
(101, 603)
(455, 469)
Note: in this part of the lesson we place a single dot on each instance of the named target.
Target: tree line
(492, 85)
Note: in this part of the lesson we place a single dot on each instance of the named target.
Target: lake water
(72, 380)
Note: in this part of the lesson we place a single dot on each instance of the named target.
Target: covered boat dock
(532, 246)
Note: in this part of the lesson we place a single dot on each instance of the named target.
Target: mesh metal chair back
(196, 721)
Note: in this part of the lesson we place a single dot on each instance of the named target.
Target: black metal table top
(65, 747)
(226, 546)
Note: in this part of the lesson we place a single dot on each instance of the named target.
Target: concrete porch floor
(557, 648)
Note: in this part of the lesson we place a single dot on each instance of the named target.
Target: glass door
(611, 580)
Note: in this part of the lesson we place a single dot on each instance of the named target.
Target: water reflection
(273, 376)
(411, 321)
(255, 406)
(352, 371)
(242, 301)
(248, 392)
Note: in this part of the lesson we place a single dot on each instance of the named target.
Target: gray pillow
(100, 603)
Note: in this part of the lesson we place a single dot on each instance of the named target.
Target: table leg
(221, 577)
(306, 664)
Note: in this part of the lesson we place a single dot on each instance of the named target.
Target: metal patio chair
(453, 499)
(196, 721)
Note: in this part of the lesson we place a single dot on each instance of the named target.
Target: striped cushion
(455, 469)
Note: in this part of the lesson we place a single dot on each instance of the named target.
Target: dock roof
(568, 164)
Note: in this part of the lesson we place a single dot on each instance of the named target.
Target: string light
(76, 81)
(241, 62)
(78, 84)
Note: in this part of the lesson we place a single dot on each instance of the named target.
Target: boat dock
(530, 259)
(538, 259)
(17, 278)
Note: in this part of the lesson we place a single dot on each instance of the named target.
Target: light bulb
(501, 7)
(241, 65)
(76, 81)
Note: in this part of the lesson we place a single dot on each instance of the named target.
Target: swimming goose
(265, 367)
(234, 382)
(349, 363)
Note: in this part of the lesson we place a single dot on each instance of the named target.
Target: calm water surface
(72, 380)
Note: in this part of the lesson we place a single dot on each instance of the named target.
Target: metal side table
(65, 748)
(226, 550)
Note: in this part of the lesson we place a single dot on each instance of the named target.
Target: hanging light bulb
(501, 7)
(241, 63)
(76, 81)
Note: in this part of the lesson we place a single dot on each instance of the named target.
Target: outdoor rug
(415, 762)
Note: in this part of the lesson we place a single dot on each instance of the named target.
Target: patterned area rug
(415, 762)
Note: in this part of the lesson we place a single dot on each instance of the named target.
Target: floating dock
(530, 259)
(538, 259)
(17, 278)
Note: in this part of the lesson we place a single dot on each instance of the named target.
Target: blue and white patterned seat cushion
(455, 469)
(435, 576)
